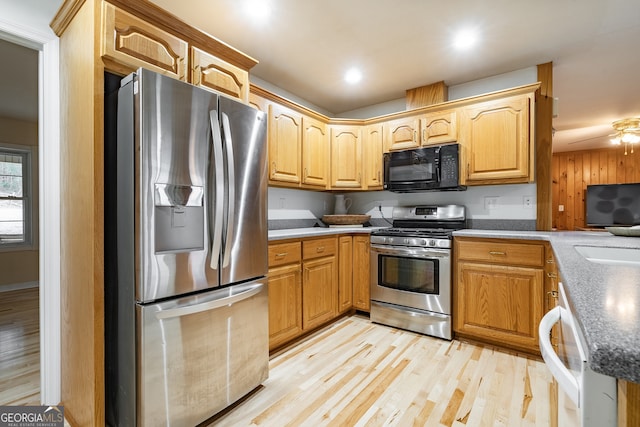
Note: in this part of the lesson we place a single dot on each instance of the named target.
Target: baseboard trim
(18, 286)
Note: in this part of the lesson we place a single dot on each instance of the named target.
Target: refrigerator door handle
(210, 305)
(231, 188)
(218, 209)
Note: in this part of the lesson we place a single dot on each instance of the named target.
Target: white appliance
(585, 398)
(186, 309)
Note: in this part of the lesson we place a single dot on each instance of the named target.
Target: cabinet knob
(553, 294)
(320, 249)
(552, 275)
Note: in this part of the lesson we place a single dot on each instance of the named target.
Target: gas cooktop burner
(416, 232)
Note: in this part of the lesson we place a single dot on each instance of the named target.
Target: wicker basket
(345, 219)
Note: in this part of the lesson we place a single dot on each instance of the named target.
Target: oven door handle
(412, 251)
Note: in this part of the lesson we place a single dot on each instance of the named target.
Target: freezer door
(171, 146)
(244, 243)
(197, 355)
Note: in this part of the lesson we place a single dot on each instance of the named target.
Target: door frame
(46, 43)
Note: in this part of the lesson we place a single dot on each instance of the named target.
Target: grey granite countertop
(605, 298)
(293, 233)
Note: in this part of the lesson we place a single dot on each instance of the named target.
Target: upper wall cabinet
(346, 156)
(315, 153)
(497, 142)
(372, 149)
(401, 134)
(213, 73)
(285, 142)
(439, 127)
(132, 43)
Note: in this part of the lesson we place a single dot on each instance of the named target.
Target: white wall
(510, 201)
(464, 90)
(290, 96)
(284, 199)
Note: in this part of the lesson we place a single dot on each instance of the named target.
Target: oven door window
(409, 274)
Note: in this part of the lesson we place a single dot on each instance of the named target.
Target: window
(15, 196)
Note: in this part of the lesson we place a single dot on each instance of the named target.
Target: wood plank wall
(572, 171)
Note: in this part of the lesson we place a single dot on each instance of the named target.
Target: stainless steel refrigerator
(186, 310)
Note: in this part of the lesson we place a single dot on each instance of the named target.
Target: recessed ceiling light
(257, 10)
(353, 76)
(465, 39)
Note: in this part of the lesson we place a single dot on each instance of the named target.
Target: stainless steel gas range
(411, 269)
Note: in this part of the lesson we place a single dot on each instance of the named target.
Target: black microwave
(423, 169)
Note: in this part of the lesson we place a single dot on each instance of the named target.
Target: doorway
(22, 25)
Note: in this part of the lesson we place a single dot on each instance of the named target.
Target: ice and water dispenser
(179, 218)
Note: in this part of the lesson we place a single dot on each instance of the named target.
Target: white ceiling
(306, 46)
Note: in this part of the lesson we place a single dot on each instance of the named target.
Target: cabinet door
(498, 303)
(319, 292)
(315, 153)
(439, 128)
(361, 273)
(214, 73)
(259, 103)
(285, 142)
(345, 273)
(129, 43)
(401, 134)
(372, 157)
(285, 304)
(346, 157)
(496, 140)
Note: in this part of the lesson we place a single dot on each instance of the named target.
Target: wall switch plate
(490, 202)
(560, 208)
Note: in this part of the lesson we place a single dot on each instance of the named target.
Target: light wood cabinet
(402, 134)
(285, 142)
(496, 141)
(372, 151)
(319, 282)
(213, 73)
(315, 153)
(285, 293)
(129, 43)
(259, 103)
(439, 127)
(345, 273)
(346, 156)
(361, 272)
(499, 291)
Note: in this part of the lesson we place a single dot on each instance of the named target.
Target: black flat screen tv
(613, 205)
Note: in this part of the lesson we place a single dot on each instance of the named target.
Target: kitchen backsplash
(496, 207)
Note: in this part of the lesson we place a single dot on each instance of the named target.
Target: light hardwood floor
(351, 373)
(356, 373)
(19, 347)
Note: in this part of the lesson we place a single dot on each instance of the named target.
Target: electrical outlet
(560, 208)
(490, 202)
(527, 202)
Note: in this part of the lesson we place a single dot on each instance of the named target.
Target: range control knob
(432, 242)
(423, 242)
